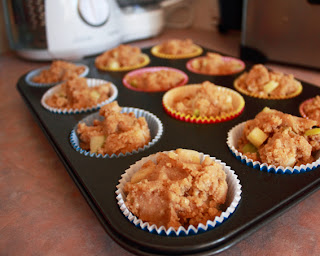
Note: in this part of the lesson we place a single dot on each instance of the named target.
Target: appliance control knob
(94, 12)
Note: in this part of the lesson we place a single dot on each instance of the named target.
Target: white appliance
(73, 29)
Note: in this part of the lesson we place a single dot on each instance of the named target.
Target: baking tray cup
(146, 61)
(225, 58)
(169, 97)
(92, 82)
(236, 132)
(36, 72)
(265, 195)
(232, 201)
(155, 51)
(154, 124)
(152, 69)
(255, 95)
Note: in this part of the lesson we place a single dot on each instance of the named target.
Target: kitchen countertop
(42, 211)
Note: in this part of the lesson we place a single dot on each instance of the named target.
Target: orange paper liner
(145, 62)
(207, 119)
(255, 95)
(225, 58)
(155, 52)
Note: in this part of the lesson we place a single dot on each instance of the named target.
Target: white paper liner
(154, 124)
(232, 140)
(92, 82)
(36, 72)
(232, 201)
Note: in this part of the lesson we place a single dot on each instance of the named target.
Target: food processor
(73, 29)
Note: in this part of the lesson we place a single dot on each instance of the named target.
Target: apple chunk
(270, 86)
(145, 171)
(313, 131)
(96, 142)
(249, 148)
(95, 95)
(257, 137)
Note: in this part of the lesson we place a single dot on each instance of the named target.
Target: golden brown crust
(177, 190)
(156, 80)
(59, 71)
(254, 82)
(120, 57)
(76, 94)
(214, 63)
(287, 144)
(311, 109)
(206, 101)
(177, 47)
(123, 131)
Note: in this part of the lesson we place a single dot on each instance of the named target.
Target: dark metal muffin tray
(264, 195)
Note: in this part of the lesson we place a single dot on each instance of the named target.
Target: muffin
(116, 133)
(179, 190)
(276, 139)
(176, 49)
(58, 71)
(311, 109)
(154, 79)
(203, 103)
(122, 58)
(79, 94)
(261, 83)
(215, 64)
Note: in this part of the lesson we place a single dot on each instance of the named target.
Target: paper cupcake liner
(225, 58)
(232, 201)
(301, 107)
(155, 51)
(154, 124)
(256, 95)
(232, 141)
(36, 72)
(92, 82)
(169, 96)
(152, 69)
(146, 61)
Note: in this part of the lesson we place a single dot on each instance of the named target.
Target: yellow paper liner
(169, 96)
(255, 95)
(155, 52)
(145, 62)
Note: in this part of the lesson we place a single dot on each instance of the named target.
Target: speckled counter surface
(42, 211)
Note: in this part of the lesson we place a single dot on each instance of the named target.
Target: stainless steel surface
(285, 31)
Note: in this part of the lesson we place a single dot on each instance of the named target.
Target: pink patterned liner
(152, 69)
(225, 58)
(301, 107)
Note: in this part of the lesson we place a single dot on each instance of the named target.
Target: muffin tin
(264, 195)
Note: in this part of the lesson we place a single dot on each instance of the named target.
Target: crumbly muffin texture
(312, 109)
(117, 133)
(280, 139)
(119, 57)
(177, 47)
(76, 94)
(156, 80)
(206, 101)
(177, 190)
(214, 63)
(260, 81)
(59, 71)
